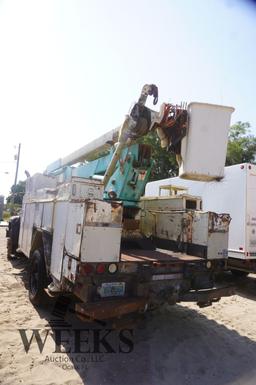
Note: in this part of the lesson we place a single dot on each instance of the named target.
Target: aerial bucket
(204, 148)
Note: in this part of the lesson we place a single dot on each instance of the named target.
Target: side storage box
(211, 230)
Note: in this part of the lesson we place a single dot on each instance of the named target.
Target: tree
(17, 192)
(165, 164)
(241, 144)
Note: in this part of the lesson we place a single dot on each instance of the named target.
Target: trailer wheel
(239, 273)
(37, 278)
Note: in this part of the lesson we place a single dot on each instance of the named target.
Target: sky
(70, 70)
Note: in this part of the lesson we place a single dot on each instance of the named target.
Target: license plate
(112, 289)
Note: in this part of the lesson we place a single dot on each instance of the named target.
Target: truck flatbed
(158, 255)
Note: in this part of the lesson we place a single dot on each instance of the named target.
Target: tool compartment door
(74, 228)
(101, 244)
(26, 228)
(102, 232)
(59, 232)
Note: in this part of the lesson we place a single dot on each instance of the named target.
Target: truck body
(80, 239)
(81, 223)
(234, 194)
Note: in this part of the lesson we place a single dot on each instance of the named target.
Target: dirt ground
(179, 345)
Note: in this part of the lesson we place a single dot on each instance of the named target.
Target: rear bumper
(111, 309)
(247, 265)
(116, 308)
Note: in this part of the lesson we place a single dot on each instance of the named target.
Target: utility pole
(17, 165)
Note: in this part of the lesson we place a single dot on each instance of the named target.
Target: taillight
(100, 268)
(112, 268)
(86, 268)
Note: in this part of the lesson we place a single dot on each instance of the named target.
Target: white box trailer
(235, 194)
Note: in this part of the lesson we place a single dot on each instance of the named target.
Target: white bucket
(204, 148)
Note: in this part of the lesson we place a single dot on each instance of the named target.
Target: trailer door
(251, 212)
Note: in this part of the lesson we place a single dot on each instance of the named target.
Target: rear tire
(13, 236)
(9, 248)
(37, 278)
(239, 273)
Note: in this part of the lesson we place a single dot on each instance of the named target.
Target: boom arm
(137, 123)
(131, 127)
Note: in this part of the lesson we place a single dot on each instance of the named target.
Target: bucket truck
(83, 224)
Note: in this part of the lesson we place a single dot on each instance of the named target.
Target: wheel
(9, 248)
(37, 278)
(239, 273)
(13, 236)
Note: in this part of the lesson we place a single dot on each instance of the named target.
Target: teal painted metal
(66, 172)
(129, 179)
(131, 175)
(95, 167)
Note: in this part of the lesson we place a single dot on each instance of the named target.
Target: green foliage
(241, 145)
(165, 164)
(17, 192)
(11, 209)
(6, 215)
